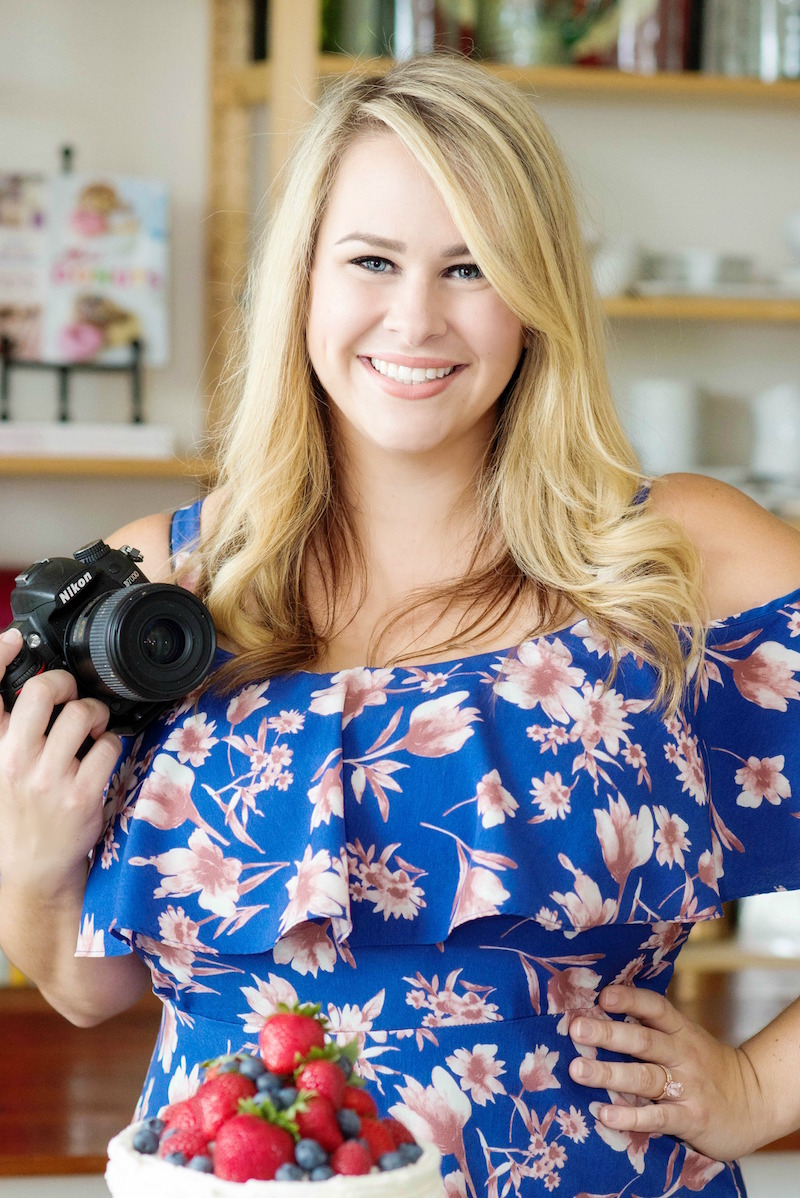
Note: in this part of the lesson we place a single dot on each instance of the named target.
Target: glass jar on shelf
(523, 32)
(362, 28)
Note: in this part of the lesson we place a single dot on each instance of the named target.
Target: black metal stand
(64, 369)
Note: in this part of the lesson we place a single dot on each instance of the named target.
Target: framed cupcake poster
(107, 270)
(84, 268)
(23, 261)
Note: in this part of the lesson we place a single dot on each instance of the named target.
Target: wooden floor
(64, 1091)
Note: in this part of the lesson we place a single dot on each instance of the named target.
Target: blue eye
(373, 264)
(467, 271)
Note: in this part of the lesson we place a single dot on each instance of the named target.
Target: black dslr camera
(137, 645)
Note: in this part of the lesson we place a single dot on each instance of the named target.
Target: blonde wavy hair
(560, 488)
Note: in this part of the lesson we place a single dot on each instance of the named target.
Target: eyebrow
(459, 250)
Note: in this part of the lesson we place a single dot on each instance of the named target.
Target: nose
(416, 310)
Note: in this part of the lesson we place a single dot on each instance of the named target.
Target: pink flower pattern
(452, 859)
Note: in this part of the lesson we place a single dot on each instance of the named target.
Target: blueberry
(175, 1158)
(349, 1123)
(155, 1124)
(410, 1152)
(201, 1164)
(252, 1067)
(289, 1172)
(309, 1154)
(286, 1097)
(268, 1082)
(321, 1173)
(146, 1140)
(389, 1161)
(345, 1065)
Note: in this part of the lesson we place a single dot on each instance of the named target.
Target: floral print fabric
(451, 859)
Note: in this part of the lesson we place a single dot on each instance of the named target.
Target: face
(411, 344)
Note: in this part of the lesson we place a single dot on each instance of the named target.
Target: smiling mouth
(410, 374)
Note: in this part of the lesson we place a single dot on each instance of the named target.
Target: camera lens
(153, 642)
(163, 642)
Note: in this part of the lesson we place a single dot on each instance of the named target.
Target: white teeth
(408, 374)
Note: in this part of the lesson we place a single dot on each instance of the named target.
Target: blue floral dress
(451, 859)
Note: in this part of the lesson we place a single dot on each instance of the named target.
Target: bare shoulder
(150, 535)
(212, 509)
(749, 555)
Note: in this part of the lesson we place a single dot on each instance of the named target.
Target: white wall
(127, 85)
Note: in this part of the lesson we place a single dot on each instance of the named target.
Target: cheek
(503, 340)
(335, 321)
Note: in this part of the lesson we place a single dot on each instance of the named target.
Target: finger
(630, 1039)
(642, 1078)
(78, 720)
(10, 645)
(31, 715)
(658, 1117)
(97, 766)
(648, 1006)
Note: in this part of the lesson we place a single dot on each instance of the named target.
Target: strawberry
(182, 1114)
(189, 1140)
(361, 1101)
(322, 1076)
(288, 1036)
(247, 1146)
(400, 1134)
(352, 1158)
(379, 1138)
(218, 1099)
(315, 1117)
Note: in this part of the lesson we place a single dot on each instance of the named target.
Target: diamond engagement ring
(672, 1089)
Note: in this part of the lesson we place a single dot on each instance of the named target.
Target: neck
(416, 519)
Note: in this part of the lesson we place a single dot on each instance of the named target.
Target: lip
(398, 390)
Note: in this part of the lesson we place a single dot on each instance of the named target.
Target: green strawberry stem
(266, 1110)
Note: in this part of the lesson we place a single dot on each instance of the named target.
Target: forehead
(379, 180)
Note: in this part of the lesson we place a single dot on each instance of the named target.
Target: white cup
(776, 450)
(664, 424)
(701, 268)
(615, 268)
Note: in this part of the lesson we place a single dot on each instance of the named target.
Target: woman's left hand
(716, 1103)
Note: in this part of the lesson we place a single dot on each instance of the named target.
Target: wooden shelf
(188, 468)
(726, 955)
(704, 307)
(251, 85)
(64, 1091)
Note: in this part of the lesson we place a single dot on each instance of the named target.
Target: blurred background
(137, 146)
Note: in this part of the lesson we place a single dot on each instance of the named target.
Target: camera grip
(24, 666)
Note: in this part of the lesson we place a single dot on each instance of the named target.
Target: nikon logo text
(74, 588)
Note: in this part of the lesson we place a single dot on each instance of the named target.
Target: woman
(449, 778)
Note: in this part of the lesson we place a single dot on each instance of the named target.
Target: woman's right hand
(51, 803)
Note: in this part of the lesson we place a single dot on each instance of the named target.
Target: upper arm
(150, 536)
(749, 556)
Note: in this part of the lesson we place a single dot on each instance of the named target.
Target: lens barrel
(153, 642)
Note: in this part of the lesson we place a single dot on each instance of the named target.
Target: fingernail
(610, 1115)
(578, 1029)
(611, 998)
(581, 1068)
(10, 635)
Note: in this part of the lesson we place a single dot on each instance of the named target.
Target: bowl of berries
(294, 1114)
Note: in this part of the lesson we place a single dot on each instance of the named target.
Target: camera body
(136, 645)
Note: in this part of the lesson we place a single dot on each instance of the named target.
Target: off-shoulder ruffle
(392, 806)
